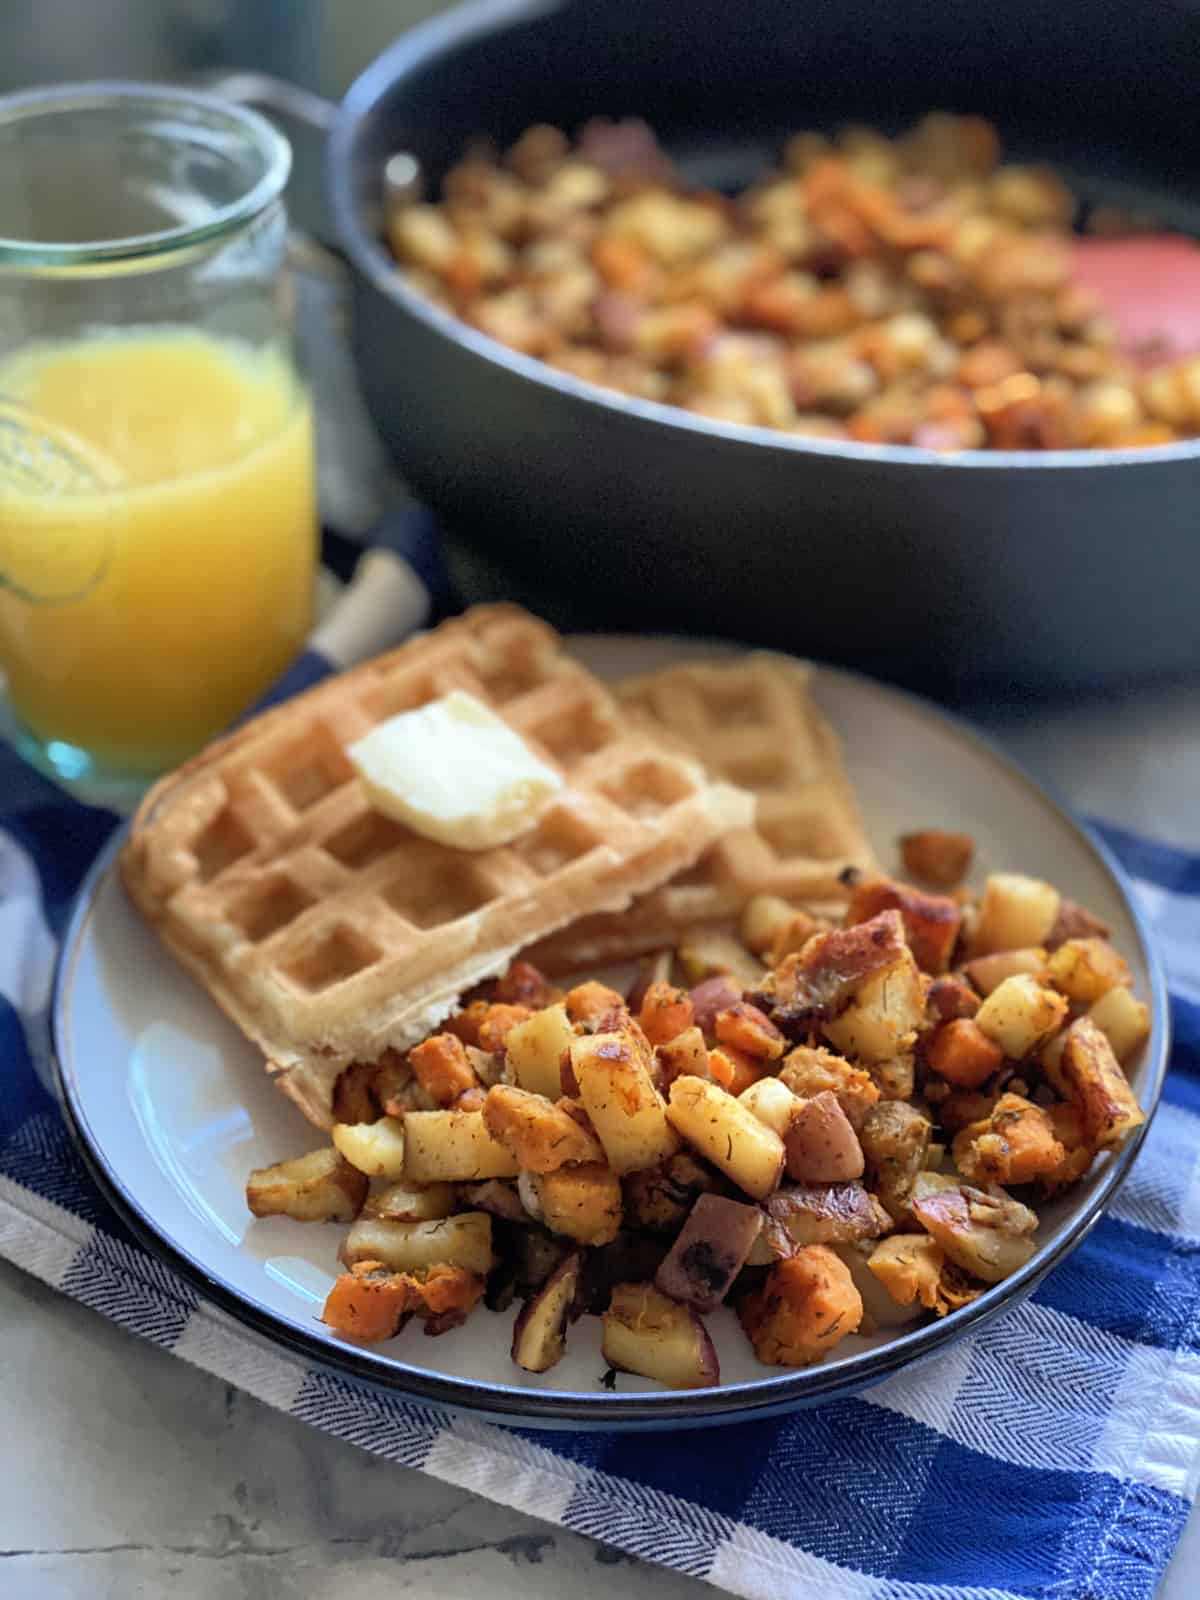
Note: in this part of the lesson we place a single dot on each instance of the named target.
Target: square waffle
(753, 723)
(329, 932)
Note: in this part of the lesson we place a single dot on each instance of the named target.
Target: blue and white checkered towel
(1055, 1454)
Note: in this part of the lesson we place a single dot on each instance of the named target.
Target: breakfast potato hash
(851, 1138)
(904, 291)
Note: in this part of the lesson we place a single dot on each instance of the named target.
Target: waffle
(753, 723)
(328, 932)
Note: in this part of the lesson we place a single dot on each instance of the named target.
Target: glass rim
(267, 141)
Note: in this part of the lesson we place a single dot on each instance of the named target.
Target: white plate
(173, 1108)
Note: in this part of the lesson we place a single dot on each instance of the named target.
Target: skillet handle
(272, 94)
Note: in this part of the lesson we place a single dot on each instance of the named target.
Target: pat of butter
(455, 772)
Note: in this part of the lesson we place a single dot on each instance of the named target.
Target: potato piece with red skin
(1016, 1143)
(963, 1054)
(665, 1013)
(1096, 1083)
(538, 1340)
(806, 1307)
(441, 1068)
(883, 1017)
(820, 1144)
(987, 1235)
(749, 1030)
(709, 997)
(823, 1213)
(1074, 922)
(815, 983)
(808, 1069)
(931, 921)
(940, 857)
(646, 1333)
(709, 1252)
(542, 1136)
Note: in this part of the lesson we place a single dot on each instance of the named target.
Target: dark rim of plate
(509, 1403)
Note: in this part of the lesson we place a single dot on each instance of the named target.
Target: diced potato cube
(618, 1094)
(411, 1202)
(376, 1148)
(939, 857)
(987, 1235)
(1086, 969)
(705, 953)
(1015, 913)
(1123, 1020)
(1019, 1015)
(820, 1145)
(772, 1102)
(764, 914)
(584, 1202)
(683, 1056)
(882, 1019)
(534, 1050)
(453, 1147)
(318, 1187)
(460, 1241)
(989, 972)
(807, 1306)
(1098, 1086)
(728, 1134)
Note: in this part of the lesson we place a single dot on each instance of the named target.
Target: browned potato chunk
(1123, 1020)
(772, 1102)
(661, 1197)
(987, 1235)
(931, 921)
(376, 1148)
(727, 1134)
(710, 996)
(1086, 969)
(820, 1144)
(941, 858)
(355, 1094)
(709, 953)
(1020, 1015)
(584, 1203)
(807, 1071)
(950, 999)
(894, 1139)
(806, 1307)
(411, 1202)
(539, 1333)
(542, 1136)
(1015, 913)
(881, 1021)
(646, 1333)
(909, 1265)
(813, 984)
(709, 1252)
(534, 1050)
(1098, 1086)
(453, 1147)
(461, 1241)
(685, 1056)
(823, 1213)
(618, 1094)
(317, 1187)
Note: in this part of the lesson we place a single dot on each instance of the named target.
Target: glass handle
(272, 94)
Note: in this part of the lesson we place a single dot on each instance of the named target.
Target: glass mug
(158, 527)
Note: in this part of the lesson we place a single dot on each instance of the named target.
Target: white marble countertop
(132, 1474)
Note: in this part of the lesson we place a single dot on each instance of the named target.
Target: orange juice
(207, 590)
